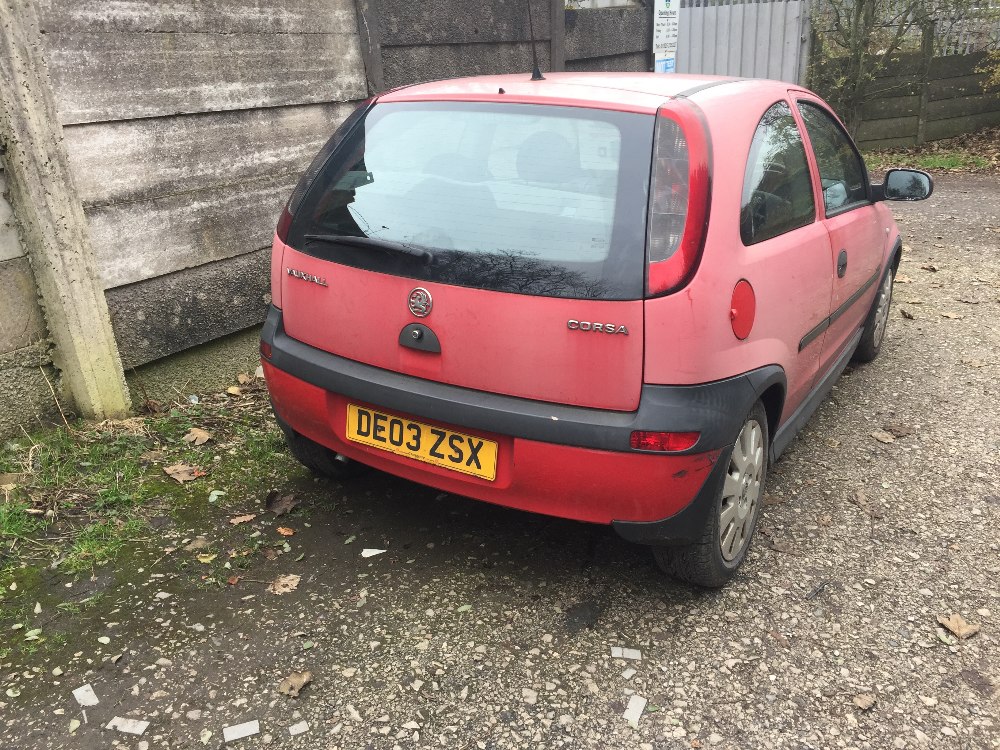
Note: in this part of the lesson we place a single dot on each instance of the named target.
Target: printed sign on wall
(665, 28)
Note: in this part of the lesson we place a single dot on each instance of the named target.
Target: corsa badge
(306, 276)
(420, 302)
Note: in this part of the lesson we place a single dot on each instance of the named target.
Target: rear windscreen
(519, 198)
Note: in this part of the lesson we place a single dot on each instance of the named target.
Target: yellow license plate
(433, 445)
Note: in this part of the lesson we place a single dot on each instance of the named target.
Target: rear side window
(841, 170)
(509, 197)
(777, 188)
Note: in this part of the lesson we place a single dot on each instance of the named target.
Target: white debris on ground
(300, 728)
(239, 731)
(617, 652)
(129, 726)
(628, 674)
(633, 712)
(85, 695)
(371, 552)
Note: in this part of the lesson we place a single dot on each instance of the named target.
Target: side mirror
(904, 185)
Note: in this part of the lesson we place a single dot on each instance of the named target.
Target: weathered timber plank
(221, 16)
(10, 243)
(960, 125)
(952, 88)
(171, 313)
(896, 106)
(634, 62)
(606, 32)
(21, 321)
(139, 240)
(404, 65)
(895, 127)
(406, 23)
(884, 143)
(165, 155)
(963, 107)
(100, 77)
(895, 86)
(953, 66)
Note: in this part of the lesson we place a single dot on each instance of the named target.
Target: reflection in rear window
(518, 198)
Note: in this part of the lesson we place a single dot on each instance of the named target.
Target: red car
(613, 298)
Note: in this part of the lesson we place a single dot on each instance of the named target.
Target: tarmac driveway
(485, 628)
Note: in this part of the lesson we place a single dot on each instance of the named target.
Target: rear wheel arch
(770, 385)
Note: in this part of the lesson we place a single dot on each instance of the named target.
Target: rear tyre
(321, 460)
(713, 560)
(874, 332)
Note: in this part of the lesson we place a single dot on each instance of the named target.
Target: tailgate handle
(420, 337)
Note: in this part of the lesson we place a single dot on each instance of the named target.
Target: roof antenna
(536, 74)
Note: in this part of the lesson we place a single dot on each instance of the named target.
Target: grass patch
(15, 521)
(98, 543)
(973, 153)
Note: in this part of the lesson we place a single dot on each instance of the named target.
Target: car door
(857, 239)
(788, 246)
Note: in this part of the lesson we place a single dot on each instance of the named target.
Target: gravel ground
(486, 628)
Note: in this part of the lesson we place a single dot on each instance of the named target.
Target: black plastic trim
(716, 410)
(685, 526)
(844, 307)
(784, 435)
(420, 337)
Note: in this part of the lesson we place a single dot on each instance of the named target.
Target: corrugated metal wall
(748, 39)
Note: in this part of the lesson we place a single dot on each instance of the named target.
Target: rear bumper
(557, 460)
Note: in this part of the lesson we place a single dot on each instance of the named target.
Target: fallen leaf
(951, 316)
(958, 625)
(930, 267)
(902, 278)
(284, 584)
(234, 391)
(907, 314)
(198, 543)
(152, 456)
(974, 363)
(465, 608)
(236, 520)
(233, 580)
(243, 378)
(280, 504)
(861, 500)
(270, 553)
(285, 531)
(899, 430)
(825, 520)
(864, 701)
(977, 681)
(197, 436)
(770, 499)
(205, 558)
(779, 546)
(293, 684)
(883, 437)
(183, 472)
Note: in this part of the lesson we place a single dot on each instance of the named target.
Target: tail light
(667, 442)
(679, 197)
(306, 181)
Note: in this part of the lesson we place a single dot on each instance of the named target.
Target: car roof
(641, 92)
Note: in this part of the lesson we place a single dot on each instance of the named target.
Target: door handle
(841, 264)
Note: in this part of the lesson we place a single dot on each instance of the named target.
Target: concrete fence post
(926, 55)
(53, 226)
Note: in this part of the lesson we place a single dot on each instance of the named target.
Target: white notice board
(665, 28)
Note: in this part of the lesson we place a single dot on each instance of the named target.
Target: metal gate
(747, 38)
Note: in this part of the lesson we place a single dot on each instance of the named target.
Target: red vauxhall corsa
(613, 298)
